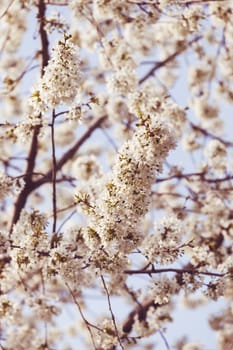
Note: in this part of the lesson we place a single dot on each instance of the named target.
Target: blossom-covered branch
(116, 173)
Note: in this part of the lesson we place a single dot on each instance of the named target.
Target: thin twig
(180, 271)
(54, 172)
(88, 325)
(30, 186)
(181, 3)
(67, 219)
(170, 58)
(164, 339)
(111, 141)
(205, 132)
(196, 2)
(54, 3)
(45, 334)
(111, 312)
(180, 176)
(7, 9)
(70, 153)
(199, 174)
(65, 208)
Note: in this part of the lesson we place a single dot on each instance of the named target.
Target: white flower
(123, 81)
(126, 192)
(61, 80)
(162, 246)
(216, 152)
(10, 186)
(84, 167)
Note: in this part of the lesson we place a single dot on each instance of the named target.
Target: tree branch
(162, 63)
(43, 35)
(179, 271)
(201, 175)
(140, 312)
(32, 185)
(205, 132)
(87, 323)
(70, 153)
(54, 173)
(111, 312)
(31, 159)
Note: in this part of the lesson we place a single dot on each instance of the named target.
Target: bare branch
(164, 339)
(205, 132)
(87, 323)
(54, 172)
(111, 312)
(179, 271)
(70, 153)
(170, 58)
(7, 9)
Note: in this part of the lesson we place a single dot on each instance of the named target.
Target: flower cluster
(10, 185)
(126, 194)
(127, 225)
(216, 154)
(163, 247)
(61, 80)
(32, 227)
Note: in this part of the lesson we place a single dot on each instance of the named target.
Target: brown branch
(30, 186)
(66, 220)
(139, 312)
(7, 9)
(199, 174)
(31, 159)
(22, 198)
(72, 205)
(164, 339)
(209, 134)
(180, 176)
(54, 3)
(111, 312)
(70, 153)
(87, 323)
(221, 179)
(54, 173)
(179, 271)
(181, 3)
(43, 35)
(196, 2)
(162, 63)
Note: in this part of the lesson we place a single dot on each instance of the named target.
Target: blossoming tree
(116, 171)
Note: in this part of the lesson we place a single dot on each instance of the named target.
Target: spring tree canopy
(116, 171)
